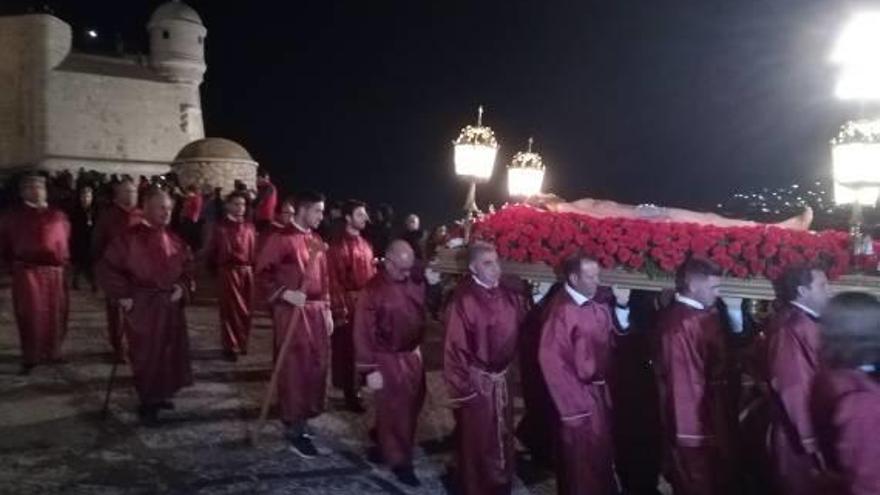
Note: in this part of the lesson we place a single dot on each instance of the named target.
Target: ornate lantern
(475, 152)
(525, 174)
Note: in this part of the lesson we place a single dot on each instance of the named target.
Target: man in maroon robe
(122, 215)
(482, 323)
(34, 243)
(292, 268)
(351, 266)
(792, 363)
(148, 272)
(844, 400)
(691, 369)
(389, 324)
(536, 429)
(577, 342)
(230, 251)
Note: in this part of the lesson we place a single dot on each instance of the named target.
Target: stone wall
(61, 110)
(30, 46)
(216, 173)
(112, 118)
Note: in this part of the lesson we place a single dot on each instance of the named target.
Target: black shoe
(374, 456)
(303, 447)
(149, 415)
(25, 369)
(406, 475)
(166, 404)
(230, 356)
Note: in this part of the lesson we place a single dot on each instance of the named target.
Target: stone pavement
(53, 439)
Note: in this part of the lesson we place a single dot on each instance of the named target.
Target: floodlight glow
(859, 60)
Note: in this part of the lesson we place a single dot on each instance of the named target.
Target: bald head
(399, 259)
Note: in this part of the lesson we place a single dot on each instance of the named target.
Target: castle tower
(177, 43)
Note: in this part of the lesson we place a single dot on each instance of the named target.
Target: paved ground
(52, 439)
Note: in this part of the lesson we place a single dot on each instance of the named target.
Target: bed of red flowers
(526, 234)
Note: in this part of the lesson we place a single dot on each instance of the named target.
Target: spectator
(82, 222)
(414, 235)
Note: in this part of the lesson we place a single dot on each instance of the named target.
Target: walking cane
(276, 372)
(282, 352)
(106, 409)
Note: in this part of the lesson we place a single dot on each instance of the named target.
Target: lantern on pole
(525, 174)
(475, 152)
(855, 157)
(855, 151)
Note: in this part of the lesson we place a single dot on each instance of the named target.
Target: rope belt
(495, 384)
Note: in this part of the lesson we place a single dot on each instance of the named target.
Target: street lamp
(855, 157)
(525, 174)
(475, 152)
(855, 152)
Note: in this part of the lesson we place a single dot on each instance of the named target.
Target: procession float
(641, 246)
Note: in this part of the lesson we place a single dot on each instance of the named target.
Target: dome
(175, 11)
(213, 149)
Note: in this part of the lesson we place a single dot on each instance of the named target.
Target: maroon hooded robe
(389, 324)
(350, 265)
(575, 356)
(294, 259)
(792, 363)
(34, 242)
(481, 337)
(538, 425)
(845, 407)
(691, 375)
(145, 264)
(231, 250)
(111, 224)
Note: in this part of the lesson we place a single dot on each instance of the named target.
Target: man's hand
(432, 277)
(328, 321)
(294, 297)
(374, 381)
(177, 293)
(621, 295)
(126, 304)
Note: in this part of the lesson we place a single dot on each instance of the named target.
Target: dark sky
(673, 102)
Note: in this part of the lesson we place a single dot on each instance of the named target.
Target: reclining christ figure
(600, 208)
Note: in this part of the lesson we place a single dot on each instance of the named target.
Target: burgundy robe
(294, 259)
(389, 323)
(350, 266)
(691, 375)
(575, 356)
(34, 242)
(481, 337)
(792, 363)
(231, 251)
(111, 224)
(538, 426)
(845, 409)
(145, 264)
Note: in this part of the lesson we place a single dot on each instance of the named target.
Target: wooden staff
(282, 351)
(123, 321)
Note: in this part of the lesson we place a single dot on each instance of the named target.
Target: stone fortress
(61, 109)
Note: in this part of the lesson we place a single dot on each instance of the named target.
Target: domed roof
(175, 11)
(213, 149)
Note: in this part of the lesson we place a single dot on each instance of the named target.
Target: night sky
(672, 102)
